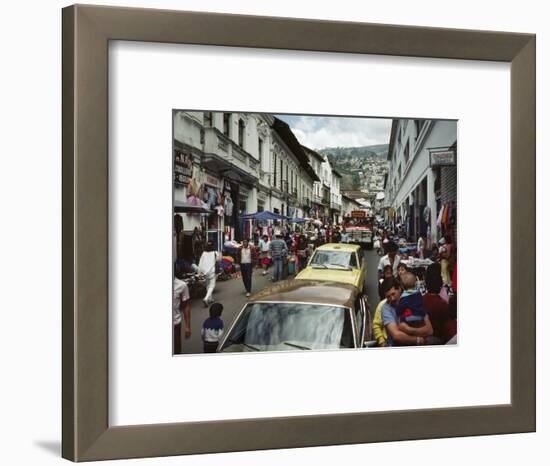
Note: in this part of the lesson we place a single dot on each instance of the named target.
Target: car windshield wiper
(294, 345)
(253, 348)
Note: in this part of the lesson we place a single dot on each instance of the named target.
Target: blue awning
(264, 215)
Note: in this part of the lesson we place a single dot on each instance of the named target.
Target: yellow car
(337, 262)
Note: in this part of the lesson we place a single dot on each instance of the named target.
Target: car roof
(309, 291)
(338, 247)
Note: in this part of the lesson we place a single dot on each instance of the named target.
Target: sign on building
(442, 158)
(183, 167)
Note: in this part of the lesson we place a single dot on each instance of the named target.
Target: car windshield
(290, 327)
(334, 259)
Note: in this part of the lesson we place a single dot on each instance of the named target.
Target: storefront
(212, 197)
(443, 161)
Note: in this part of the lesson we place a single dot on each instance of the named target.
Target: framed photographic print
(296, 198)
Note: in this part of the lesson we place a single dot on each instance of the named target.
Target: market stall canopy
(299, 220)
(187, 208)
(264, 215)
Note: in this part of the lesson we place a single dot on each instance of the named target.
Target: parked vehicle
(337, 262)
(301, 315)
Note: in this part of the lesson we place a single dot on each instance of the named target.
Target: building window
(275, 172)
(260, 150)
(406, 153)
(281, 174)
(286, 177)
(207, 119)
(261, 205)
(241, 133)
(399, 131)
(226, 123)
(418, 124)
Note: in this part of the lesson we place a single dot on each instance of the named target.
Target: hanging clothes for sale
(228, 206)
(427, 214)
(445, 216)
(440, 217)
(219, 210)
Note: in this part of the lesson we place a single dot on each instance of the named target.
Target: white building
(217, 160)
(349, 204)
(238, 163)
(321, 195)
(335, 196)
(422, 174)
(292, 176)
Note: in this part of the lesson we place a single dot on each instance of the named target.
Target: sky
(318, 132)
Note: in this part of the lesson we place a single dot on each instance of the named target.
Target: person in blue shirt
(212, 329)
(400, 333)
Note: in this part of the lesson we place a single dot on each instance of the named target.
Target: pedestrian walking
(181, 310)
(278, 252)
(264, 253)
(212, 328)
(207, 267)
(345, 236)
(247, 251)
(301, 252)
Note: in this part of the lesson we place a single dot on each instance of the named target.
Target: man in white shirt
(391, 258)
(207, 267)
(181, 310)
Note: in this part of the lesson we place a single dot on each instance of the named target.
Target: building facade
(321, 193)
(335, 196)
(235, 164)
(421, 182)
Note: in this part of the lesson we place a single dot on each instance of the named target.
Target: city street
(250, 176)
(232, 295)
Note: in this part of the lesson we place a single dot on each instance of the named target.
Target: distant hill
(358, 164)
(378, 150)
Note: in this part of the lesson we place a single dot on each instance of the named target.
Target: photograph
(312, 232)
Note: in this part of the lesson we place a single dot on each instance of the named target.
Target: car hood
(351, 277)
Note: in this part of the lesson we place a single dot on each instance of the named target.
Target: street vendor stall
(263, 216)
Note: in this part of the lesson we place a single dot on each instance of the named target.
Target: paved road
(372, 279)
(232, 295)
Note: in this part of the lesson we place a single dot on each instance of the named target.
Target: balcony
(335, 205)
(306, 202)
(222, 154)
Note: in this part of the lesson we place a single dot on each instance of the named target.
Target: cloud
(321, 132)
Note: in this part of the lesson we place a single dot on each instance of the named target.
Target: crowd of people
(417, 280)
(417, 298)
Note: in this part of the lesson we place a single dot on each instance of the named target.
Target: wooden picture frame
(86, 32)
